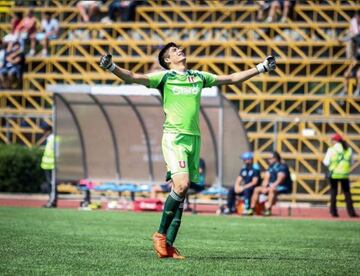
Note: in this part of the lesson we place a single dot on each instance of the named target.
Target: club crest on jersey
(191, 79)
(182, 164)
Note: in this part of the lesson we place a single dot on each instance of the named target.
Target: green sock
(175, 225)
(171, 205)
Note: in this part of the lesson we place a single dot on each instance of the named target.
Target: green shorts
(182, 154)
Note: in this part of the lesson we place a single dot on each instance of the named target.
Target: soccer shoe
(248, 212)
(174, 253)
(159, 243)
(267, 213)
(50, 205)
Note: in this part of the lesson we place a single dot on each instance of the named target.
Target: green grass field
(63, 242)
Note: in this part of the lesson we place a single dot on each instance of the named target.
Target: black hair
(19, 14)
(48, 128)
(162, 53)
(276, 155)
(48, 13)
(344, 144)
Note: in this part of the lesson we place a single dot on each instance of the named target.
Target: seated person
(276, 181)
(13, 66)
(88, 9)
(248, 179)
(197, 187)
(26, 30)
(49, 31)
(161, 188)
(123, 11)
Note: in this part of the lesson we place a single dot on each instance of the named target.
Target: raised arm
(127, 76)
(268, 65)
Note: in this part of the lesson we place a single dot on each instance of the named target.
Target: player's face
(176, 55)
(248, 162)
(271, 160)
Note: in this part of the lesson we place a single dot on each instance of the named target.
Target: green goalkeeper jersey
(181, 93)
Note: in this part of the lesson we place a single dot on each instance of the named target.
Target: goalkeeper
(180, 89)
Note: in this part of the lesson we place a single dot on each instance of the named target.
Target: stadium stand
(306, 91)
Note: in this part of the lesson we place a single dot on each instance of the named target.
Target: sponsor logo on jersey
(182, 164)
(177, 90)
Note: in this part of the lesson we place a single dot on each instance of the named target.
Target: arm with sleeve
(155, 78)
(210, 80)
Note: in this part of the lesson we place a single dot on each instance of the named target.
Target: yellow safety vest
(48, 159)
(340, 164)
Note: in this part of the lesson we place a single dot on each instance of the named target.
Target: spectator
(17, 17)
(120, 10)
(284, 5)
(161, 188)
(88, 9)
(13, 66)
(49, 31)
(248, 179)
(338, 160)
(354, 31)
(195, 188)
(353, 72)
(26, 30)
(277, 180)
(2, 60)
(48, 165)
(263, 5)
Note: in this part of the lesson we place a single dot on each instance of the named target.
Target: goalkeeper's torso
(181, 94)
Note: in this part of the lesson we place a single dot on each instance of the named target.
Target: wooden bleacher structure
(306, 91)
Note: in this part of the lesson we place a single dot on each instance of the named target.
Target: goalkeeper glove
(268, 65)
(106, 63)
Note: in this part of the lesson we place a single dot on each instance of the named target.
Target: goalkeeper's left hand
(268, 65)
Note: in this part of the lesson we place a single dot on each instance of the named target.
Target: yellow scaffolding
(291, 110)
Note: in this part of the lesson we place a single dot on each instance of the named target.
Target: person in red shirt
(26, 30)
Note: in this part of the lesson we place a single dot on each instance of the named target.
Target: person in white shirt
(49, 31)
(354, 32)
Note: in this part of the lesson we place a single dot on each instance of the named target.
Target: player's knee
(182, 188)
(181, 184)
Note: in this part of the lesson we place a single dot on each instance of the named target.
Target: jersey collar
(179, 72)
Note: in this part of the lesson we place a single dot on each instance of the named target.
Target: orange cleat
(174, 253)
(159, 243)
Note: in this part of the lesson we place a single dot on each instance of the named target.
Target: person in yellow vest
(338, 160)
(48, 165)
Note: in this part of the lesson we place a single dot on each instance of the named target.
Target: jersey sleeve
(284, 169)
(209, 79)
(155, 78)
(240, 172)
(256, 172)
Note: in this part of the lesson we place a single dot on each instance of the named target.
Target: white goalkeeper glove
(106, 63)
(268, 65)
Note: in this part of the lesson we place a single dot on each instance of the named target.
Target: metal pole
(53, 194)
(7, 130)
(275, 135)
(221, 146)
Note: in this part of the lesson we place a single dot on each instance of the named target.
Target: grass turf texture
(60, 241)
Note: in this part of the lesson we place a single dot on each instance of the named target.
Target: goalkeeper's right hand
(106, 63)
